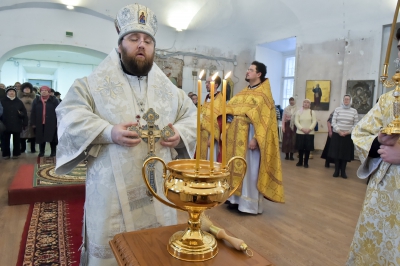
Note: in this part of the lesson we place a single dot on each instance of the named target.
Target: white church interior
(54, 42)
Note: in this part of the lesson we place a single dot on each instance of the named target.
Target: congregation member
(2, 91)
(324, 154)
(96, 122)
(2, 96)
(44, 121)
(253, 128)
(27, 96)
(278, 113)
(2, 126)
(15, 119)
(341, 148)
(206, 120)
(194, 99)
(36, 89)
(289, 130)
(17, 86)
(58, 96)
(305, 121)
(377, 235)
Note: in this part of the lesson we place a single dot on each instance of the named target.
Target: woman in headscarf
(27, 96)
(305, 121)
(15, 119)
(342, 148)
(289, 130)
(44, 120)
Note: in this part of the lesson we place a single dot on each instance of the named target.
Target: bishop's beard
(135, 66)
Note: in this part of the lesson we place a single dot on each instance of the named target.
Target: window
(288, 80)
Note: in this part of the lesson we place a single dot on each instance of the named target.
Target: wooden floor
(314, 227)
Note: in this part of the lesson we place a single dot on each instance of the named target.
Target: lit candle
(212, 83)
(198, 139)
(224, 119)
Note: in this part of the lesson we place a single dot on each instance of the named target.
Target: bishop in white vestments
(93, 122)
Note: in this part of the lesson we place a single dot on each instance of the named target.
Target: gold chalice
(194, 190)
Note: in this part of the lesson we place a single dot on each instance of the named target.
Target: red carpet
(21, 190)
(52, 234)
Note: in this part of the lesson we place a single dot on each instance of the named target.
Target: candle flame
(228, 74)
(201, 74)
(214, 76)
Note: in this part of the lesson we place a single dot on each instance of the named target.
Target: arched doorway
(48, 64)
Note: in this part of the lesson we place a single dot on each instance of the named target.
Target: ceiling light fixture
(70, 7)
(179, 17)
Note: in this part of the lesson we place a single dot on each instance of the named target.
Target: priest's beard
(136, 66)
(246, 79)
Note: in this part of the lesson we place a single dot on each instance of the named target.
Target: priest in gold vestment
(376, 240)
(253, 134)
(206, 120)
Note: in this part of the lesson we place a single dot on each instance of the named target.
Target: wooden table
(149, 247)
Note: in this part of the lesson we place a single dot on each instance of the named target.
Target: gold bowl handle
(244, 172)
(146, 181)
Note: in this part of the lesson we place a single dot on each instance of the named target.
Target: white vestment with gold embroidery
(377, 237)
(116, 199)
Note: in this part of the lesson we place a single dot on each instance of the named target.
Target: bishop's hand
(122, 136)
(390, 154)
(388, 140)
(172, 141)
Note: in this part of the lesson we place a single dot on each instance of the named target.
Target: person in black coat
(15, 119)
(2, 91)
(44, 120)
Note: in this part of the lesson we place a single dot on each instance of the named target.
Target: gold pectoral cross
(150, 134)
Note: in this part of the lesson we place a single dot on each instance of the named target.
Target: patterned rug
(44, 174)
(52, 234)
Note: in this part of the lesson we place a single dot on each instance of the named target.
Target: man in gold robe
(376, 240)
(206, 120)
(253, 134)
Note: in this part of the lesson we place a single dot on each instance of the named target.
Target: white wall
(355, 57)
(274, 62)
(9, 73)
(62, 74)
(67, 73)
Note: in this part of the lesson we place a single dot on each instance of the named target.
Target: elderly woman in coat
(44, 120)
(27, 95)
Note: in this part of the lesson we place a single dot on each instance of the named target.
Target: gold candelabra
(394, 126)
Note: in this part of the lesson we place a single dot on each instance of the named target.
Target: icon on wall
(318, 92)
(362, 94)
